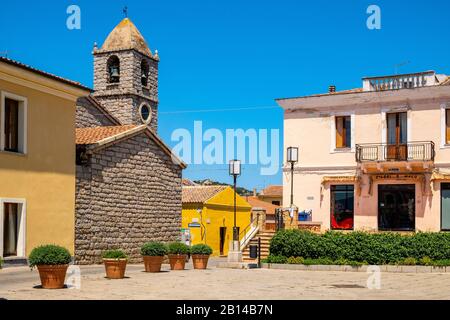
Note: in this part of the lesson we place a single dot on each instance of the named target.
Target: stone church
(129, 184)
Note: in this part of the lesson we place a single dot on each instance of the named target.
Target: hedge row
(371, 248)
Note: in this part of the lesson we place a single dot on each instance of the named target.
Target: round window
(145, 113)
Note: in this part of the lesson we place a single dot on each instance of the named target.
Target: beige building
(272, 194)
(373, 158)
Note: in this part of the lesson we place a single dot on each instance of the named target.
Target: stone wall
(89, 116)
(126, 108)
(129, 194)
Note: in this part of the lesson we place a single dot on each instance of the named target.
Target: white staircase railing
(249, 233)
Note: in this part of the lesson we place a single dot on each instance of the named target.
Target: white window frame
(443, 144)
(384, 113)
(21, 239)
(333, 148)
(23, 121)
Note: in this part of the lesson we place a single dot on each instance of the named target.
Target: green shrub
(361, 247)
(178, 248)
(409, 261)
(295, 260)
(1, 262)
(49, 255)
(202, 249)
(425, 261)
(276, 259)
(114, 254)
(441, 263)
(154, 249)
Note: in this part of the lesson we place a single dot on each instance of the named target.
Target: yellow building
(37, 159)
(208, 216)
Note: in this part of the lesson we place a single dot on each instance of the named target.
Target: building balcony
(422, 151)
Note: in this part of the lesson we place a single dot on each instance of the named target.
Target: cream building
(374, 158)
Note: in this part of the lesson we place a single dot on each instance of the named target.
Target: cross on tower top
(125, 11)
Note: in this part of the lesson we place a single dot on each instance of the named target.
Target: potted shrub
(153, 253)
(115, 264)
(178, 253)
(200, 255)
(52, 262)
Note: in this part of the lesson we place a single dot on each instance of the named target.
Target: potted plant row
(115, 262)
(52, 262)
(153, 254)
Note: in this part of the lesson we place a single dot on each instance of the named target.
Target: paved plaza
(227, 284)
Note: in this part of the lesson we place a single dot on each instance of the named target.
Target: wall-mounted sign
(194, 225)
(393, 176)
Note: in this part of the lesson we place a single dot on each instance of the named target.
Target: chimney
(331, 89)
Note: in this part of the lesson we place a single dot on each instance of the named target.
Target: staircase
(265, 236)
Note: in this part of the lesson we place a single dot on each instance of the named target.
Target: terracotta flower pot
(115, 268)
(200, 261)
(153, 263)
(52, 277)
(177, 261)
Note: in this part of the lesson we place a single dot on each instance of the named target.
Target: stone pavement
(229, 284)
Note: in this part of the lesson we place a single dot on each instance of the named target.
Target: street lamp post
(235, 171)
(292, 158)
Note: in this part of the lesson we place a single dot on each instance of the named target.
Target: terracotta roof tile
(200, 194)
(96, 134)
(43, 73)
(273, 191)
(257, 203)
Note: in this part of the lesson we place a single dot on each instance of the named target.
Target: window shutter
(339, 132)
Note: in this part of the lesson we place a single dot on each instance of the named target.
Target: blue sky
(237, 54)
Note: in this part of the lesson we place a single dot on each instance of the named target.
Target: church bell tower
(126, 76)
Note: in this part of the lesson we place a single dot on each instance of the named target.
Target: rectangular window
(397, 128)
(342, 207)
(396, 207)
(447, 126)
(13, 118)
(343, 132)
(10, 229)
(11, 125)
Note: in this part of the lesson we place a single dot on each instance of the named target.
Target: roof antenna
(400, 65)
(4, 53)
(125, 11)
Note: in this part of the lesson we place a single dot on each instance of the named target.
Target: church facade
(128, 182)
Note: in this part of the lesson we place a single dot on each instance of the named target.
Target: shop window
(342, 207)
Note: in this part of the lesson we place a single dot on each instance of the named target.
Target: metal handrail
(411, 151)
(244, 232)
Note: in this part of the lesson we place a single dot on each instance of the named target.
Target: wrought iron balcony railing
(413, 151)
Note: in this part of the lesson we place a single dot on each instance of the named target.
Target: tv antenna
(4, 53)
(400, 65)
